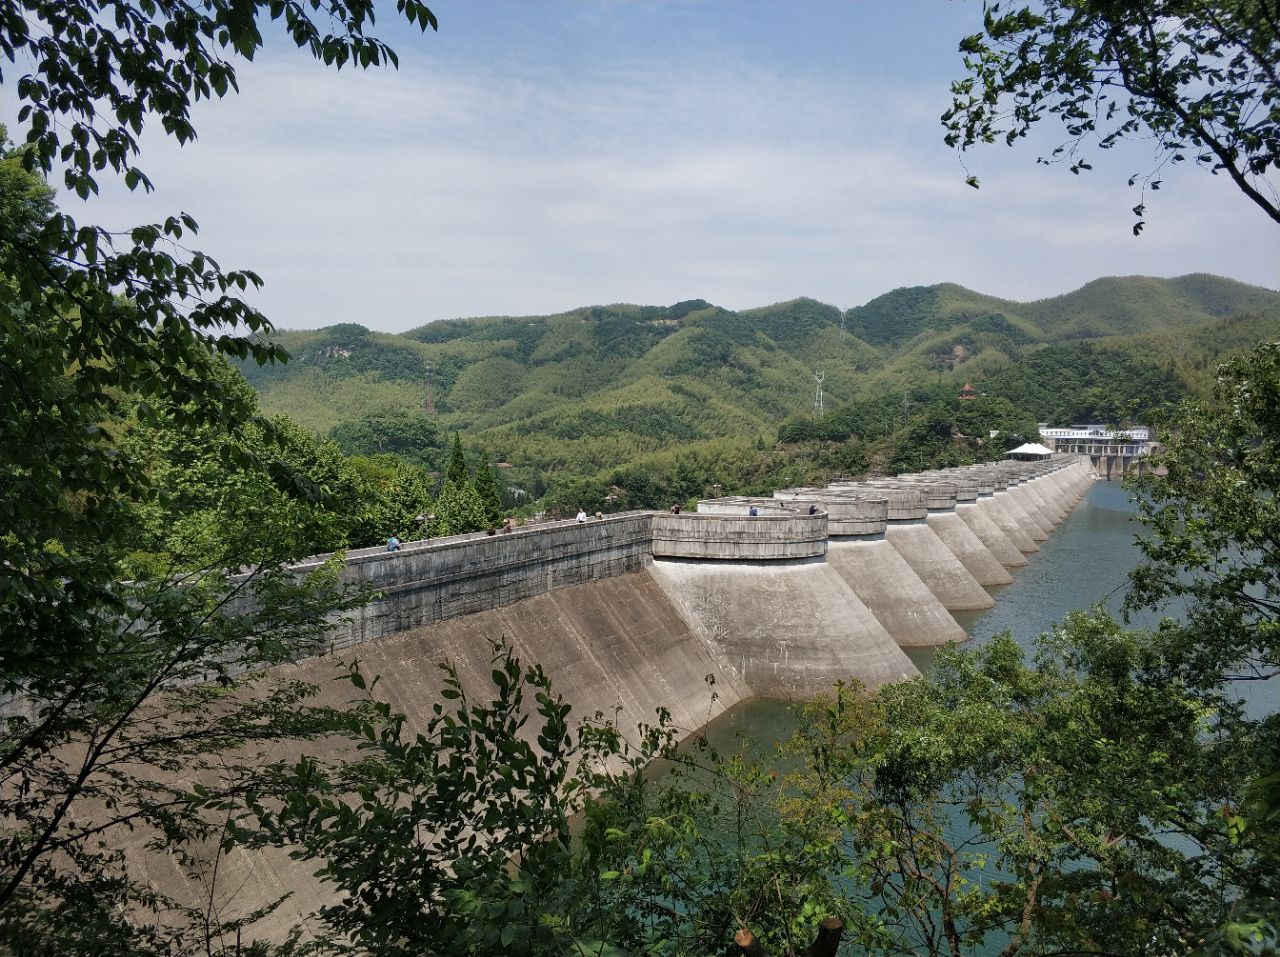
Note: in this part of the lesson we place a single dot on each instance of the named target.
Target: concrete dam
(776, 597)
(690, 612)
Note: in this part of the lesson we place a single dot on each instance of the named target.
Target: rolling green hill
(604, 388)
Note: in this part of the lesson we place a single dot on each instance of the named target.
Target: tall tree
(111, 686)
(457, 471)
(94, 318)
(459, 510)
(486, 486)
(1198, 77)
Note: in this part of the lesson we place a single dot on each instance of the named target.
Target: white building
(1109, 449)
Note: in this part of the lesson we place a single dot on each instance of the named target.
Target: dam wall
(616, 646)
(817, 585)
(425, 583)
(884, 560)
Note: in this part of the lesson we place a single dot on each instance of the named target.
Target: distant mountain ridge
(604, 384)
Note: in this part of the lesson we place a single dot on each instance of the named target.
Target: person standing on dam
(582, 516)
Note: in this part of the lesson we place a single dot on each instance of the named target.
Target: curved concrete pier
(956, 535)
(1035, 504)
(1000, 509)
(1037, 527)
(909, 533)
(785, 630)
(971, 490)
(877, 573)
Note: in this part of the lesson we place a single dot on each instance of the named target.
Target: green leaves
(460, 842)
(1188, 75)
(124, 684)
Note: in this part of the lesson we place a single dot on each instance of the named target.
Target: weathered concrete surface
(890, 588)
(979, 521)
(1016, 502)
(985, 568)
(1009, 501)
(971, 487)
(739, 537)
(617, 646)
(1030, 503)
(943, 496)
(937, 567)
(1049, 501)
(783, 630)
(440, 579)
(967, 548)
(998, 508)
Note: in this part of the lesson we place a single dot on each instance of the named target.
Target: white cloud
(523, 186)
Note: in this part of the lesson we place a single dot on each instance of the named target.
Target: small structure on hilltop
(967, 394)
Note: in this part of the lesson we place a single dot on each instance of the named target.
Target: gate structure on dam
(1113, 453)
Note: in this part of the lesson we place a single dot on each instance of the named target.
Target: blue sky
(533, 157)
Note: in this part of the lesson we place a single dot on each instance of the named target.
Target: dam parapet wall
(428, 582)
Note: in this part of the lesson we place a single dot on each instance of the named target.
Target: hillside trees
(94, 319)
(460, 507)
(1082, 382)
(1212, 528)
(218, 482)
(1196, 76)
(395, 496)
(408, 434)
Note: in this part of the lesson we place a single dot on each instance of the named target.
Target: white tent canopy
(1030, 448)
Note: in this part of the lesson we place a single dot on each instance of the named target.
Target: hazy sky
(533, 157)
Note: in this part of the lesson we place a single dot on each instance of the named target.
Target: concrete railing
(848, 513)
(781, 535)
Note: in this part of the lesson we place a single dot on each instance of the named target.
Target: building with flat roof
(1112, 451)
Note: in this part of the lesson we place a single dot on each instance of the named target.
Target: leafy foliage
(1213, 521)
(1198, 78)
(455, 838)
(459, 510)
(407, 434)
(110, 687)
(1085, 383)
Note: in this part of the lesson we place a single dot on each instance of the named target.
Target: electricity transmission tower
(817, 395)
(431, 399)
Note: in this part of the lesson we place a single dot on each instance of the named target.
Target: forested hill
(600, 386)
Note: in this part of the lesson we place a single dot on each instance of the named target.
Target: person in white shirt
(582, 516)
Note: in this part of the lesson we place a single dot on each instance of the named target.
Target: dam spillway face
(782, 595)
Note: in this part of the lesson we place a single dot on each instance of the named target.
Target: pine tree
(457, 472)
(486, 486)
